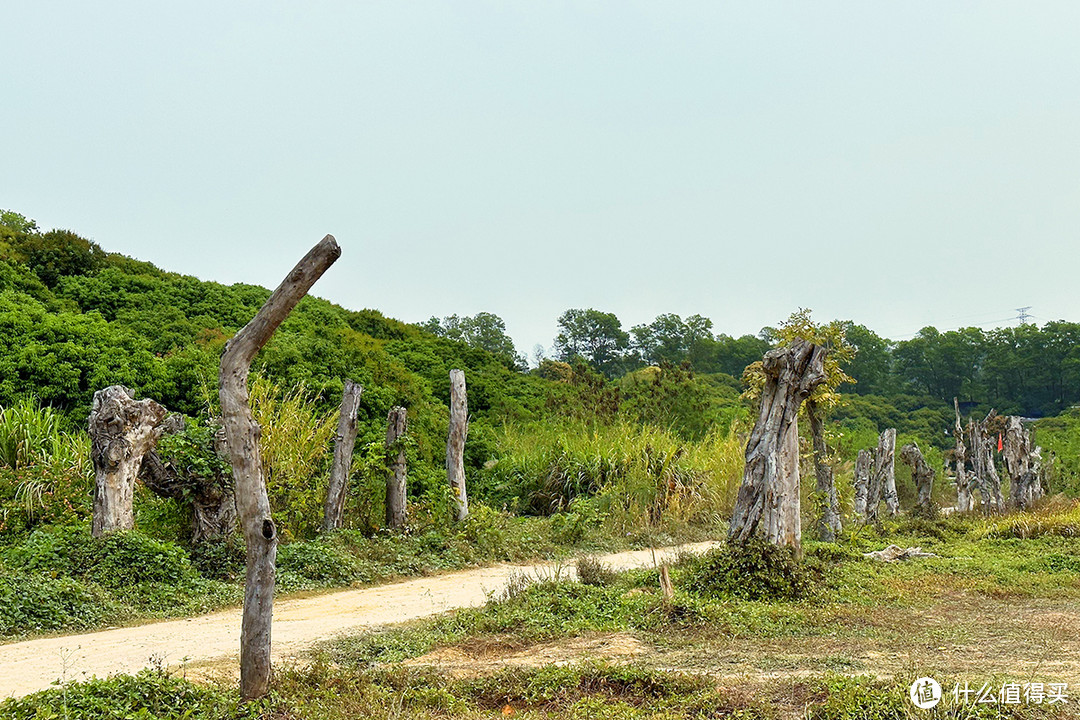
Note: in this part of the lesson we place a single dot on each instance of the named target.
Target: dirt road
(26, 667)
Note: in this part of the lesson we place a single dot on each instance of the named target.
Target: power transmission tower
(1023, 315)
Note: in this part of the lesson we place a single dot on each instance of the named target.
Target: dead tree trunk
(213, 502)
(829, 512)
(768, 502)
(923, 476)
(861, 482)
(455, 443)
(982, 456)
(883, 478)
(344, 444)
(122, 431)
(243, 433)
(396, 427)
(964, 501)
(1018, 462)
(1038, 488)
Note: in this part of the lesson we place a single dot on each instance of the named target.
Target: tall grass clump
(639, 475)
(1060, 519)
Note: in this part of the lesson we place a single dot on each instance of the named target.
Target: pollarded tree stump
(455, 443)
(923, 477)
(964, 501)
(861, 483)
(828, 519)
(344, 444)
(122, 431)
(396, 479)
(1024, 480)
(768, 502)
(982, 458)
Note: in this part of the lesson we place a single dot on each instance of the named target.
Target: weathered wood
(767, 505)
(455, 443)
(883, 477)
(243, 433)
(964, 501)
(1020, 460)
(923, 477)
(982, 457)
(122, 431)
(344, 444)
(396, 427)
(828, 519)
(213, 502)
(861, 482)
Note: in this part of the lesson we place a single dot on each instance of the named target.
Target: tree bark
(122, 431)
(344, 444)
(768, 502)
(883, 478)
(964, 501)
(828, 520)
(455, 443)
(982, 455)
(396, 427)
(1018, 462)
(863, 467)
(923, 477)
(243, 433)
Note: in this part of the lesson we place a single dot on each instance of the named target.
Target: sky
(896, 164)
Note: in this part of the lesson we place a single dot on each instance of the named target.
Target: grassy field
(746, 635)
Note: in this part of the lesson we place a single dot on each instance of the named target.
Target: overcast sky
(899, 164)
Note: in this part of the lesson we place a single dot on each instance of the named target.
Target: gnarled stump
(923, 477)
(883, 477)
(861, 482)
(455, 443)
(964, 501)
(982, 459)
(397, 425)
(243, 432)
(768, 502)
(122, 431)
(1024, 480)
(344, 444)
(828, 520)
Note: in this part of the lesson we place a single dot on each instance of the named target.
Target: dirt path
(29, 666)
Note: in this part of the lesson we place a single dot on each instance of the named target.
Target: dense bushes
(756, 570)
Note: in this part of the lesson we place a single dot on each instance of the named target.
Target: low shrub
(30, 603)
(755, 570)
(593, 572)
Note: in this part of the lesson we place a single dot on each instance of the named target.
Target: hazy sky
(899, 164)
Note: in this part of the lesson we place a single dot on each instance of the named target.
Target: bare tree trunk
(1018, 462)
(861, 482)
(455, 442)
(768, 502)
(964, 501)
(243, 433)
(122, 431)
(982, 453)
(828, 522)
(396, 427)
(883, 478)
(923, 476)
(1038, 487)
(344, 444)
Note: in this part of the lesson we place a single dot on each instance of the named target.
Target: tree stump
(828, 520)
(122, 431)
(455, 443)
(768, 502)
(344, 444)
(964, 501)
(923, 477)
(883, 477)
(1024, 480)
(396, 427)
(242, 433)
(982, 459)
(861, 483)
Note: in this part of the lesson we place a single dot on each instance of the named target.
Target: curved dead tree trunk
(828, 521)
(344, 444)
(964, 501)
(883, 477)
(122, 431)
(768, 502)
(455, 443)
(396, 427)
(982, 460)
(1023, 478)
(861, 482)
(923, 477)
(213, 502)
(243, 433)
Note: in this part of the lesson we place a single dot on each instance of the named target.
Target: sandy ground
(214, 639)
